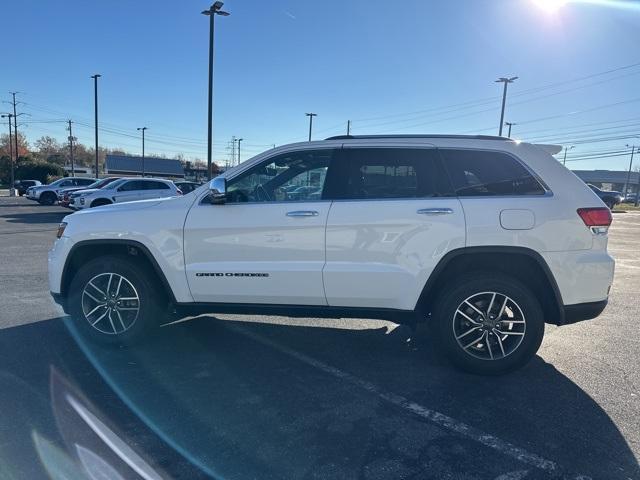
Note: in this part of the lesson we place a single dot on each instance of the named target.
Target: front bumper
(583, 311)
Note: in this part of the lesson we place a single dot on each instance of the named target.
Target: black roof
(436, 135)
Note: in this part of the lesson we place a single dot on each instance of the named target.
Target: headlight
(61, 229)
(81, 200)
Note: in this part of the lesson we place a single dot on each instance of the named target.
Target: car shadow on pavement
(35, 217)
(250, 399)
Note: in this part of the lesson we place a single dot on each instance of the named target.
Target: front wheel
(48, 198)
(488, 324)
(114, 300)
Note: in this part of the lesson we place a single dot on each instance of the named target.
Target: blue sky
(397, 67)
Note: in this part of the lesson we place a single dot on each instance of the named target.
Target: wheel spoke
(474, 342)
(499, 342)
(121, 322)
(93, 285)
(92, 297)
(102, 305)
(467, 317)
(119, 285)
(128, 298)
(109, 283)
(128, 308)
(510, 333)
(474, 307)
(488, 343)
(93, 324)
(504, 304)
(113, 327)
(467, 333)
(493, 299)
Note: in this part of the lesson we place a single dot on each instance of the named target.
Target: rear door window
(481, 173)
(387, 173)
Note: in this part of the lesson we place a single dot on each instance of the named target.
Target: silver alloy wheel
(110, 303)
(489, 325)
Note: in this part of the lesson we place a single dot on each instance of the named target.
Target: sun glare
(550, 6)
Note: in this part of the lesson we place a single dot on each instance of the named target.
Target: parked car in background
(485, 238)
(630, 198)
(22, 185)
(609, 197)
(65, 193)
(186, 186)
(48, 194)
(123, 190)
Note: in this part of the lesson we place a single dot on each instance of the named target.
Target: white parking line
(433, 416)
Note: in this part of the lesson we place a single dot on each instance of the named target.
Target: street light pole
(11, 186)
(311, 115)
(626, 184)
(142, 129)
(73, 168)
(95, 109)
(239, 140)
(564, 160)
(509, 124)
(215, 9)
(506, 81)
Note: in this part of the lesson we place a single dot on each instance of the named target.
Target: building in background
(610, 179)
(127, 165)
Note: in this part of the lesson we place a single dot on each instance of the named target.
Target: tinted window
(131, 186)
(151, 185)
(389, 173)
(485, 173)
(84, 181)
(290, 177)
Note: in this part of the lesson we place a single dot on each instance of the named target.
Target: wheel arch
(86, 250)
(525, 264)
(98, 202)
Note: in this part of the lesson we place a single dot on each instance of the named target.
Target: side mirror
(218, 190)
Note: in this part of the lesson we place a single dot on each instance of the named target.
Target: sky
(409, 66)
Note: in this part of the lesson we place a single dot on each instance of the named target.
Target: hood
(83, 190)
(122, 207)
(71, 189)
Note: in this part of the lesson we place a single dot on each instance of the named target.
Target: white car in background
(123, 190)
(48, 194)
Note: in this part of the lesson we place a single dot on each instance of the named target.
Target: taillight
(597, 219)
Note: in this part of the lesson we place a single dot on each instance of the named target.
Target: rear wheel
(113, 300)
(488, 324)
(48, 198)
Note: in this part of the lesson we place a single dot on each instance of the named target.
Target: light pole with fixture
(12, 190)
(564, 160)
(215, 9)
(95, 109)
(311, 115)
(142, 129)
(506, 81)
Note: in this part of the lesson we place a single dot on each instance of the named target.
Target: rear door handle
(435, 211)
(302, 213)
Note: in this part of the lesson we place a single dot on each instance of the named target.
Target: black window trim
(547, 191)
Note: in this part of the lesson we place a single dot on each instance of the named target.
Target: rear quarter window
(481, 173)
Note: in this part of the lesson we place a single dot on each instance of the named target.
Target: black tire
(99, 203)
(447, 318)
(47, 198)
(21, 194)
(152, 310)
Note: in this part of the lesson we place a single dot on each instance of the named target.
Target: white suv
(485, 238)
(48, 194)
(123, 190)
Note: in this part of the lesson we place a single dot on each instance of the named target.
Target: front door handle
(435, 211)
(302, 213)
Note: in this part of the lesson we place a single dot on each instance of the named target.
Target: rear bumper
(583, 311)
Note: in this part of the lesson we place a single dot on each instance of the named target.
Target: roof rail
(436, 135)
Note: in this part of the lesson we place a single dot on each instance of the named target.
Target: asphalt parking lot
(269, 397)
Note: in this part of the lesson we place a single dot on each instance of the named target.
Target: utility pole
(11, 186)
(239, 140)
(73, 167)
(506, 81)
(142, 129)
(564, 160)
(626, 184)
(311, 115)
(233, 150)
(215, 9)
(95, 107)
(348, 127)
(509, 124)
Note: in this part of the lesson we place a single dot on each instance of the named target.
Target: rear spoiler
(552, 149)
